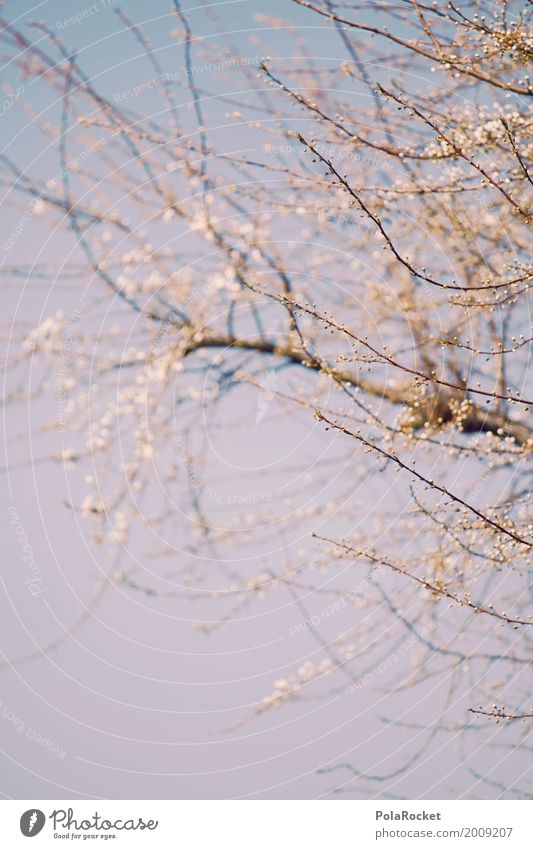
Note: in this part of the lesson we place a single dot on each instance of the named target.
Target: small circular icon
(32, 822)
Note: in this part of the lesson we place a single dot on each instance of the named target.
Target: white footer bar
(268, 824)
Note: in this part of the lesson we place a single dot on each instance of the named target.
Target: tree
(356, 273)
